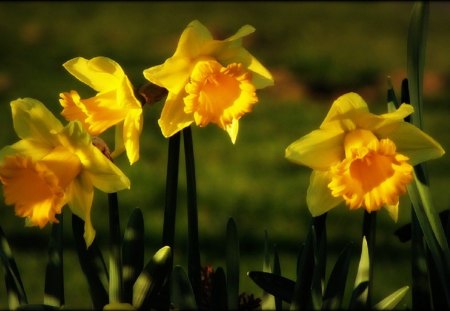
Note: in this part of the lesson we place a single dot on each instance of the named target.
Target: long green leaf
(219, 291)
(232, 264)
(182, 293)
(92, 264)
(13, 282)
(132, 253)
(358, 299)
(152, 278)
(320, 258)
(277, 271)
(168, 235)
(276, 285)
(267, 300)
(391, 301)
(334, 292)
(115, 246)
(302, 298)
(54, 274)
(194, 264)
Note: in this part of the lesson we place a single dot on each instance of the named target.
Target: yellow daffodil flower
(114, 105)
(360, 158)
(208, 81)
(52, 165)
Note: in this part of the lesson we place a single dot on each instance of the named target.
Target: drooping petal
(81, 194)
(103, 173)
(318, 196)
(373, 122)
(318, 150)
(32, 120)
(100, 73)
(411, 141)
(393, 211)
(132, 128)
(173, 118)
(232, 130)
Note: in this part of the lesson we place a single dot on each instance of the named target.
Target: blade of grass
(320, 258)
(194, 265)
(54, 274)
(267, 300)
(369, 229)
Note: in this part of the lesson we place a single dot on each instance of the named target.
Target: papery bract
(363, 159)
(52, 165)
(208, 81)
(114, 105)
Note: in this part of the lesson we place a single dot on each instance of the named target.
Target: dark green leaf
(54, 274)
(335, 289)
(182, 294)
(232, 261)
(92, 264)
(274, 284)
(391, 301)
(132, 253)
(358, 299)
(152, 278)
(219, 291)
(14, 286)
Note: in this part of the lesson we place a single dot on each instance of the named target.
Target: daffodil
(114, 105)
(360, 158)
(53, 165)
(208, 81)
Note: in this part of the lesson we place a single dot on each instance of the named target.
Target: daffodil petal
(81, 194)
(318, 195)
(344, 110)
(132, 128)
(411, 142)
(100, 73)
(393, 211)
(173, 118)
(103, 173)
(373, 122)
(32, 120)
(318, 150)
(192, 40)
(172, 75)
(232, 130)
(26, 147)
(119, 145)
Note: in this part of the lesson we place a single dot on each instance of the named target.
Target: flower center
(219, 94)
(372, 174)
(37, 189)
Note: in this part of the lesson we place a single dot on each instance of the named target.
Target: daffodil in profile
(208, 81)
(114, 105)
(360, 158)
(53, 165)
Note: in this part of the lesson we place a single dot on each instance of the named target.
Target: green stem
(369, 225)
(54, 276)
(115, 261)
(171, 191)
(194, 267)
(168, 238)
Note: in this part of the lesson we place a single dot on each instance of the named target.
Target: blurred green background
(316, 51)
